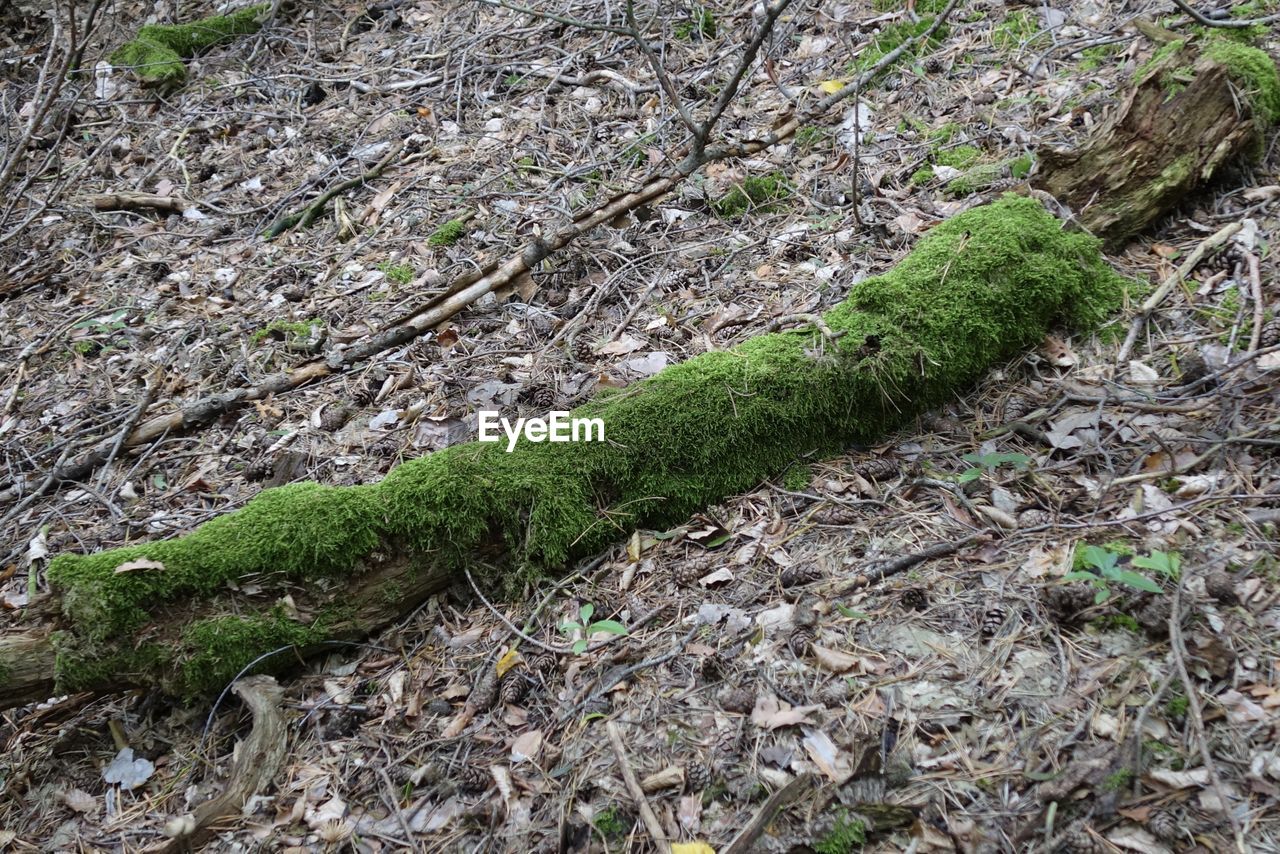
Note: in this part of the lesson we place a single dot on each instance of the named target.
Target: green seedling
(988, 463)
(587, 628)
(1103, 570)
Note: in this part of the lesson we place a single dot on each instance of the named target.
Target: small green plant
(810, 136)
(1101, 568)
(286, 330)
(960, 157)
(759, 193)
(922, 176)
(847, 834)
(988, 463)
(701, 24)
(1176, 706)
(1117, 780)
(587, 628)
(448, 233)
(610, 822)
(400, 274)
(796, 478)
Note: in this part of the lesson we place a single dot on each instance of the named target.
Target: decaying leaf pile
(1084, 650)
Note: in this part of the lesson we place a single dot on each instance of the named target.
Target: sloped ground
(973, 699)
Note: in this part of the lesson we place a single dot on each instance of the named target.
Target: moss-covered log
(156, 54)
(1198, 106)
(305, 563)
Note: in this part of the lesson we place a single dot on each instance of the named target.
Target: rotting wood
(257, 761)
(1197, 108)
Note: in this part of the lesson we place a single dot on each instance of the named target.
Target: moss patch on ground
(156, 54)
(978, 289)
(759, 193)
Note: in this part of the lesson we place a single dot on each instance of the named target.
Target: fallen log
(303, 564)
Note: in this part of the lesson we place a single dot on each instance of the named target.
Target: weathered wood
(1189, 116)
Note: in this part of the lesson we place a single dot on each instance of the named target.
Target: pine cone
(1018, 405)
(1076, 840)
(544, 662)
(485, 690)
(583, 351)
(334, 416)
(1222, 587)
(693, 567)
(1066, 603)
(1152, 611)
(803, 573)
(914, 598)
(259, 470)
(388, 447)
(934, 65)
(1193, 368)
(697, 777)
(879, 468)
(740, 700)
(835, 693)
(728, 739)
(512, 689)
(993, 619)
(837, 514)
(472, 779)
(543, 398)
(1033, 517)
(1270, 333)
(802, 637)
(1165, 825)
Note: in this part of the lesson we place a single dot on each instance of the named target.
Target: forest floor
(974, 701)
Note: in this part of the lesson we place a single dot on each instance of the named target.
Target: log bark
(1190, 115)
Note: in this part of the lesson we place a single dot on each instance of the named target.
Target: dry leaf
(527, 746)
(834, 660)
(770, 713)
(138, 564)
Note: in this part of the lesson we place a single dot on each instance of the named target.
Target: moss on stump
(977, 290)
(156, 54)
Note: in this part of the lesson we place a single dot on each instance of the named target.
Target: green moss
(156, 54)
(216, 650)
(978, 289)
(946, 133)
(759, 193)
(448, 234)
(1020, 167)
(285, 330)
(923, 7)
(611, 822)
(701, 24)
(1117, 780)
(1254, 71)
(1176, 706)
(891, 37)
(797, 477)
(961, 157)
(810, 136)
(1019, 29)
(400, 274)
(847, 834)
(1094, 58)
(922, 176)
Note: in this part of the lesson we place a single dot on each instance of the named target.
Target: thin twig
(1194, 712)
(1225, 23)
(746, 838)
(1255, 289)
(633, 786)
(1209, 244)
